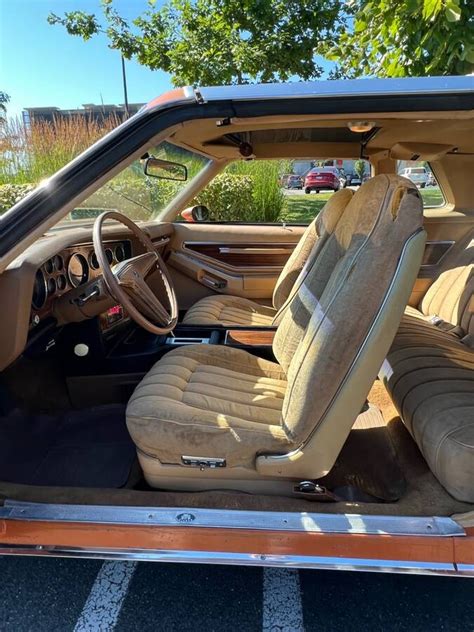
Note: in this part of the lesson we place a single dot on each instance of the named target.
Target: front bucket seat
(208, 416)
(227, 310)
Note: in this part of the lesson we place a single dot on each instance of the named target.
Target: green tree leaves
(211, 42)
(219, 41)
(400, 38)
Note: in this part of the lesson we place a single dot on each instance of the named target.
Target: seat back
(326, 325)
(451, 297)
(319, 228)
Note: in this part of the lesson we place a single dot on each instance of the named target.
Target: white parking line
(282, 607)
(105, 600)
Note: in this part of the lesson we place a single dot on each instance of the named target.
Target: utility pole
(125, 94)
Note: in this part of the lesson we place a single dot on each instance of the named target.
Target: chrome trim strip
(248, 559)
(340, 88)
(233, 519)
(251, 250)
(466, 569)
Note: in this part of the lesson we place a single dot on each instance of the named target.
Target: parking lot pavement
(65, 594)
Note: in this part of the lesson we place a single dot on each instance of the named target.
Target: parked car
(174, 391)
(432, 182)
(353, 179)
(322, 178)
(294, 182)
(418, 175)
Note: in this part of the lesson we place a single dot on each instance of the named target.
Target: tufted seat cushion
(235, 310)
(230, 311)
(429, 374)
(210, 401)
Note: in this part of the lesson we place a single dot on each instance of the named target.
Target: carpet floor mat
(368, 463)
(81, 448)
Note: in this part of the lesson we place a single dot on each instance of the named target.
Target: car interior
(153, 361)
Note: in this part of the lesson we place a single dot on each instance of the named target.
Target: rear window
(426, 182)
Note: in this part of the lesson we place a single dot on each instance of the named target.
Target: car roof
(335, 88)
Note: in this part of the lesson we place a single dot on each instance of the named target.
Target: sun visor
(419, 151)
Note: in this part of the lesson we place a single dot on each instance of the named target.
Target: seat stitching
(442, 441)
(211, 426)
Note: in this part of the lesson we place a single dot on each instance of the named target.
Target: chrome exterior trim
(249, 559)
(233, 519)
(341, 88)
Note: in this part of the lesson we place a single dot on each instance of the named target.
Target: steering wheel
(126, 281)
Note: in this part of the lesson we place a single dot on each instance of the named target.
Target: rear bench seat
(429, 373)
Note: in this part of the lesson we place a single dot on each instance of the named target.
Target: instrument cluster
(69, 269)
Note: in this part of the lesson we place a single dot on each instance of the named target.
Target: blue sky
(41, 65)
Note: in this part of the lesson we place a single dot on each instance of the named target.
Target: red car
(322, 178)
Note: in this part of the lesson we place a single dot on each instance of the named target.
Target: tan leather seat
(429, 373)
(234, 310)
(274, 422)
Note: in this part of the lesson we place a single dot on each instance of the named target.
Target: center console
(113, 365)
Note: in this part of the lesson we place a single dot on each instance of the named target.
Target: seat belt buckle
(313, 491)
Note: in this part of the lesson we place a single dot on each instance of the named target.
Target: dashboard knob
(81, 350)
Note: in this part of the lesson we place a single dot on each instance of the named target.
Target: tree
(211, 42)
(4, 99)
(359, 168)
(399, 38)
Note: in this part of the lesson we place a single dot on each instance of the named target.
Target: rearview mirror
(164, 169)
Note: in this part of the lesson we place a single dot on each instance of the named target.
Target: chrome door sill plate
(233, 519)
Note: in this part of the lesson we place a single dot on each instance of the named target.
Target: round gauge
(110, 256)
(51, 286)
(119, 253)
(39, 290)
(77, 270)
(61, 282)
(58, 262)
(49, 266)
(93, 261)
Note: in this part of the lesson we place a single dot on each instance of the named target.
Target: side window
(420, 174)
(276, 191)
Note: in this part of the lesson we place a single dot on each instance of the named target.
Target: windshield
(136, 195)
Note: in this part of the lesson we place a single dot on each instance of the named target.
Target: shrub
(10, 194)
(245, 192)
(229, 198)
(138, 197)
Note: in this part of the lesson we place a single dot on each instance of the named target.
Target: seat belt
(449, 328)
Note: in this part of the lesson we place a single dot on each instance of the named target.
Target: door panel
(242, 260)
(444, 232)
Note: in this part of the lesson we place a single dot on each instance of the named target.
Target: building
(89, 110)
(301, 167)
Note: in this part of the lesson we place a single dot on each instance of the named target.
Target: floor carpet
(81, 448)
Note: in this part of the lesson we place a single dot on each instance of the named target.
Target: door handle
(215, 284)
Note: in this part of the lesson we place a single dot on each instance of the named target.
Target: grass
(302, 209)
(30, 154)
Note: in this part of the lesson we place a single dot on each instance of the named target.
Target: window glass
(137, 195)
(420, 174)
(270, 191)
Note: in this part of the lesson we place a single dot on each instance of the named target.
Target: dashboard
(45, 286)
(67, 270)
